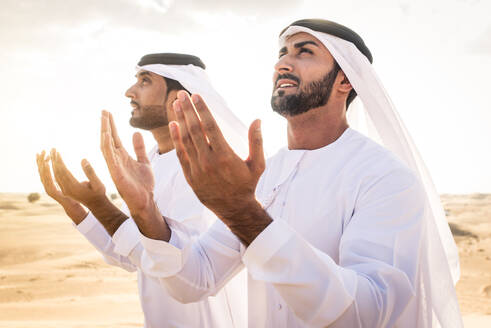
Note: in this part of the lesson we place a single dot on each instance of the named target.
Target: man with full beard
(117, 235)
(334, 230)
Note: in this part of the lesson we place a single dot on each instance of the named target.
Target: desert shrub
(33, 196)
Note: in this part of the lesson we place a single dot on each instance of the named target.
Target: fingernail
(181, 96)
(177, 106)
(195, 98)
(173, 126)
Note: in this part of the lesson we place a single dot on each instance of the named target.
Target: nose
(284, 65)
(130, 93)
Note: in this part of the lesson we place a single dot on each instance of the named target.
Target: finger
(210, 127)
(63, 176)
(38, 161)
(94, 180)
(47, 178)
(184, 137)
(114, 132)
(107, 148)
(256, 159)
(180, 149)
(105, 125)
(109, 155)
(139, 146)
(45, 174)
(193, 124)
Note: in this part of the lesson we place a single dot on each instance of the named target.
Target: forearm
(75, 211)
(247, 221)
(110, 216)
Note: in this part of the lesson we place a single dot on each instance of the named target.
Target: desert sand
(50, 276)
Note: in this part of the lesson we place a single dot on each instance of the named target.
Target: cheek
(310, 73)
(152, 98)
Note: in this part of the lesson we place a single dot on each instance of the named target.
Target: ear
(344, 85)
(171, 97)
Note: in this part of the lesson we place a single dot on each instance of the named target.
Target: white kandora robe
(344, 248)
(176, 200)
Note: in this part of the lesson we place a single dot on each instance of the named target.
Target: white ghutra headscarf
(377, 118)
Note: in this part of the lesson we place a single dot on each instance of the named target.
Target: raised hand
(222, 181)
(91, 193)
(73, 209)
(133, 178)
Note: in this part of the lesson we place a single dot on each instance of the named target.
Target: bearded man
(335, 229)
(116, 235)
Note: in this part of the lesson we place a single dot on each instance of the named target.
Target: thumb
(256, 153)
(139, 146)
(90, 173)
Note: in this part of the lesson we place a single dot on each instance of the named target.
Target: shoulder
(369, 160)
(380, 175)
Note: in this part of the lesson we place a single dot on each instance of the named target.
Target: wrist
(151, 223)
(247, 221)
(110, 216)
(246, 206)
(99, 204)
(145, 209)
(76, 212)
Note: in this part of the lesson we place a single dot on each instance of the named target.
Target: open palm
(133, 178)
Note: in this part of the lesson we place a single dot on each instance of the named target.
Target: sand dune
(51, 277)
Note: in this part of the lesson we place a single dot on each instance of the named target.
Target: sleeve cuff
(87, 224)
(266, 244)
(162, 259)
(126, 237)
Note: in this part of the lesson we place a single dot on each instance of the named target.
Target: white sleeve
(97, 235)
(379, 253)
(190, 267)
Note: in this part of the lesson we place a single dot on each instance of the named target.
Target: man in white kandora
(118, 237)
(338, 229)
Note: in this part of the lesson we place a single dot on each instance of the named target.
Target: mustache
(287, 76)
(135, 103)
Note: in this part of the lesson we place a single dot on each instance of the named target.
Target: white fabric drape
(195, 80)
(382, 123)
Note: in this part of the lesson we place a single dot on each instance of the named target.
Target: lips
(135, 105)
(286, 83)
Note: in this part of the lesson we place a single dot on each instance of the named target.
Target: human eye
(305, 50)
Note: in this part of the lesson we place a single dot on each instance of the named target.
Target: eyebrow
(139, 74)
(303, 43)
(299, 45)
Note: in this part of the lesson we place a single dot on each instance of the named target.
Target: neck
(163, 138)
(317, 128)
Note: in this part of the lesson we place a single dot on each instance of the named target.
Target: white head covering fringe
(195, 80)
(380, 121)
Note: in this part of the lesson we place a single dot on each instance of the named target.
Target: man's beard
(151, 117)
(313, 95)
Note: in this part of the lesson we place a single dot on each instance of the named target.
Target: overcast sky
(63, 61)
